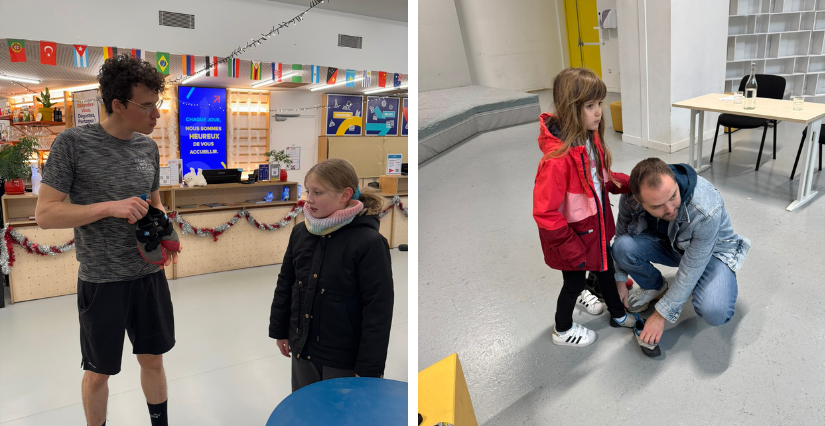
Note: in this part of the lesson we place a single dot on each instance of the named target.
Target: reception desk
(241, 246)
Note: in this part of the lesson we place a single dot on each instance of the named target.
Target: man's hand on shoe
(654, 327)
(621, 286)
(131, 209)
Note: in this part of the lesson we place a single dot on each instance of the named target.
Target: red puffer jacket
(566, 208)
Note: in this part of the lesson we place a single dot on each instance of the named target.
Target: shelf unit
(781, 37)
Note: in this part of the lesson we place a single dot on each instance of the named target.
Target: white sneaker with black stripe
(590, 302)
(576, 336)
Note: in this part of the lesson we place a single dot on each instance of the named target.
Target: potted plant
(47, 106)
(277, 157)
(14, 164)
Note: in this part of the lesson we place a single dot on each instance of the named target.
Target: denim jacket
(702, 229)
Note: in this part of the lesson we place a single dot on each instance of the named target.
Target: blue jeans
(715, 292)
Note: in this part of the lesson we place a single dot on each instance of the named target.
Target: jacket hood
(365, 220)
(686, 179)
(549, 138)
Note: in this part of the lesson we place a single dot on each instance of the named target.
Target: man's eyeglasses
(149, 108)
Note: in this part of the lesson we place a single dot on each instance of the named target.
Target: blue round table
(351, 401)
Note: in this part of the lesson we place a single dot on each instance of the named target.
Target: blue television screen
(202, 112)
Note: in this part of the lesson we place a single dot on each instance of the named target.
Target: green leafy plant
(45, 99)
(278, 157)
(14, 159)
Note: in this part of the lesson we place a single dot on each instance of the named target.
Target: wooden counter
(36, 277)
(242, 246)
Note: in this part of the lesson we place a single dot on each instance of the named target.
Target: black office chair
(802, 142)
(770, 86)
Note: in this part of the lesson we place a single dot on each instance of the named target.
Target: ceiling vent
(349, 41)
(178, 20)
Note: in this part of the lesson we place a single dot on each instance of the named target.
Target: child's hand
(621, 286)
(283, 346)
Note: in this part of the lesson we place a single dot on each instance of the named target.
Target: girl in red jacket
(571, 206)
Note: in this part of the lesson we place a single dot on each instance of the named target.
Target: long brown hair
(338, 174)
(572, 89)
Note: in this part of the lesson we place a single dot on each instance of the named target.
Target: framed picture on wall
(344, 115)
(382, 116)
(405, 118)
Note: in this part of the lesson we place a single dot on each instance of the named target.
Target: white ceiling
(394, 10)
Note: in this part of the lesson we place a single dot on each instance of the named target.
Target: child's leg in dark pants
(572, 287)
(607, 283)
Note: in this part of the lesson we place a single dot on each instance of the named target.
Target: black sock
(158, 414)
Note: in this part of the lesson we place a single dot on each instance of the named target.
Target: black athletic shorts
(141, 307)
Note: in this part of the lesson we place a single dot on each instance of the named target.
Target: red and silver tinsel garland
(11, 236)
(188, 229)
(396, 200)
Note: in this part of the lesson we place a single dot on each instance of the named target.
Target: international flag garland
(48, 53)
(188, 64)
(316, 73)
(17, 50)
(162, 59)
(255, 70)
(212, 66)
(277, 72)
(81, 56)
(235, 68)
(109, 52)
(297, 73)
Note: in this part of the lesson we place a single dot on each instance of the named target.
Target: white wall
(658, 70)
(669, 51)
(220, 27)
(300, 131)
(511, 45)
(631, 78)
(699, 58)
(442, 61)
(610, 51)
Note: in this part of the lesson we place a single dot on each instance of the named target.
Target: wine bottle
(750, 89)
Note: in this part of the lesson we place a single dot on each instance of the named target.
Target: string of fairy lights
(255, 42)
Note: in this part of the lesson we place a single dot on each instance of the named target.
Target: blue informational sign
(202, 112)
(344, 115)
(404, 116)
(382, 116)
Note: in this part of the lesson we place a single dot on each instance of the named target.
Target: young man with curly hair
(104, 168)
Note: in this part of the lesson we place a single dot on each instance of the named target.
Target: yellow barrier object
(616, 114)
(443, 395)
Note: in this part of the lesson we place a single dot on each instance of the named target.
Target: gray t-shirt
(92, 166)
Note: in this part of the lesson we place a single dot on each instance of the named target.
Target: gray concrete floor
(224, 369)
(486, 294)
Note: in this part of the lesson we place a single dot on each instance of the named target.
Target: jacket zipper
(599, 210)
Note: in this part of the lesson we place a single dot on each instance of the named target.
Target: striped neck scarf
(333, 222)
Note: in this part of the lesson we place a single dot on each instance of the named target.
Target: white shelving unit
(782, 37)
